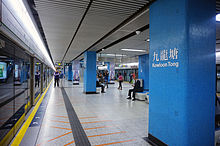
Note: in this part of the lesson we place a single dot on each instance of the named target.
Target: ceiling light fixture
(217, 55)
(137, 32)
(133, 50)
(218, 17)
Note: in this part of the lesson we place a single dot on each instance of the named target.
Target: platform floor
(70, 117)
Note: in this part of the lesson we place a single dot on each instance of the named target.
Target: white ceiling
(60, 19)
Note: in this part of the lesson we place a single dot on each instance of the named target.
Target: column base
(154, 141)
(90, 92)
(75, 83)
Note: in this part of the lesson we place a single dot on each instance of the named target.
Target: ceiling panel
(60, 19)
(102, 17)
(135, 42)
(127, 29)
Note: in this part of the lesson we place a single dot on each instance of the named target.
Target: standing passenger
(120, 79)
(131, 74)
(37, 78)
(56, 78)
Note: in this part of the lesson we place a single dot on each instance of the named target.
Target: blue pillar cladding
(70, 73)
(108, 68)
(143, 69)
(182, 72)
(90, 72)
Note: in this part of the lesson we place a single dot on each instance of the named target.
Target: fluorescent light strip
(22, 14)
(117, 55)
(130, 64)
(133, 50)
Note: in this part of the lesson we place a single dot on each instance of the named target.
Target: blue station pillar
(89, 72)
(70, 72)
(182, 72)
(108, 68)
(143, 70)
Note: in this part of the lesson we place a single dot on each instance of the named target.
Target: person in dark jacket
(98, 84)
(56, 78)
(137, 88)
(37, 78)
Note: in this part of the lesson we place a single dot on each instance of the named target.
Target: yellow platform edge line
(24, 128)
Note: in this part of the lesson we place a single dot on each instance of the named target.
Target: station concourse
(66, 68)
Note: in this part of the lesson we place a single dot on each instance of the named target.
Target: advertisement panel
(3, 70)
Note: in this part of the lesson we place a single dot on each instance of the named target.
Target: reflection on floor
(107, 118)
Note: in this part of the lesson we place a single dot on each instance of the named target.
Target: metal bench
(142, 96)
(98, 90)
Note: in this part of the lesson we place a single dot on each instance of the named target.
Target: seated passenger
(98, 84)
(137, 88)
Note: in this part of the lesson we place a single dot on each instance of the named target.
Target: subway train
(126, 73)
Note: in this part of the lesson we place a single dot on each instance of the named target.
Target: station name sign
(166, 58)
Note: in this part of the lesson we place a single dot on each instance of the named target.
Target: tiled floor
(107, 118)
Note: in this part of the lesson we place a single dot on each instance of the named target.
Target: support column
(41, 78)
(76, 73)
(143, 70)
(46, 75)
(64, 69)
(70, 72)
(108, 68)
(112, 71)
(182, 72)
(22, 76)
(89, 72)
(32, 65)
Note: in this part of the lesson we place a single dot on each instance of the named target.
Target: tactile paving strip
(80, 137)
